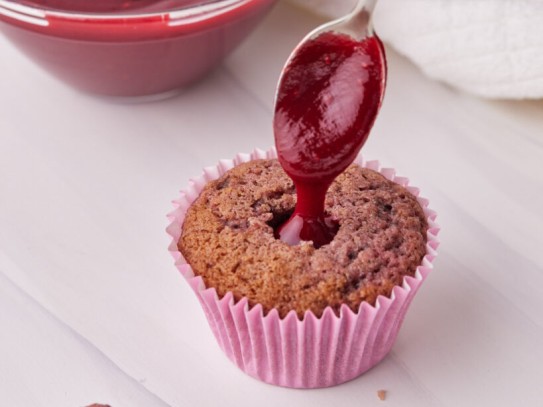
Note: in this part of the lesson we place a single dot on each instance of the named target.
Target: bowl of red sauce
(129, 48)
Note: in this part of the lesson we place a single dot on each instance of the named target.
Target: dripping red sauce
(327, 102)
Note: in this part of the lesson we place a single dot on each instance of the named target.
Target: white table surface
(93, 310)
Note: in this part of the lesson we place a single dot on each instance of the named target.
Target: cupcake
(301, 316)
(304, 262)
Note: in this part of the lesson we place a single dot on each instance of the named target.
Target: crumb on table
(382, 394)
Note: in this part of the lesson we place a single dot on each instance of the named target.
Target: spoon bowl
(357, 25)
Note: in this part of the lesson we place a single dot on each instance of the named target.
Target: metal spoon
(326, 102)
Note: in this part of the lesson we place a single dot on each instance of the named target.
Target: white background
(93, 310)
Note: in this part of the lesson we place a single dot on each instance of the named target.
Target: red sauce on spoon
(327, 102)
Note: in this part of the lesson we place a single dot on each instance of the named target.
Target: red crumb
(382, 394)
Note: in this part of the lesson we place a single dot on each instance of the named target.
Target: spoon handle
(359, 20)
(367, 5)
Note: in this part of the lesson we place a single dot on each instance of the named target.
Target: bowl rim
(178, 16)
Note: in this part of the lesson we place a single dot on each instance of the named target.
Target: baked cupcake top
(228, 239)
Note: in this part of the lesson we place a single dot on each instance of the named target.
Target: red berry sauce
(111, 6)
(327, 102)
(128, 47)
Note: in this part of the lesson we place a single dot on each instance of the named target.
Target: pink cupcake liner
(312, 352)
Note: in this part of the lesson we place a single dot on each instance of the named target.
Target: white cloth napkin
(491, 48)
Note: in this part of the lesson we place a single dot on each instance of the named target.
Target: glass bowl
(129, 48)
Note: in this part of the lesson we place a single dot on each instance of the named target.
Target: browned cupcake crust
(228, 239)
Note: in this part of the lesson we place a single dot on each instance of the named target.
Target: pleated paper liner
(313, 352)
